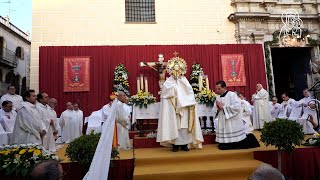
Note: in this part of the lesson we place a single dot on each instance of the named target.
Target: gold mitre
(177, 67)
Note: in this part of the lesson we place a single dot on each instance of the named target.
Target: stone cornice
(258, 16)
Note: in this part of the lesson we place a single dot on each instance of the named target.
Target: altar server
(231, 132)
(247, 110)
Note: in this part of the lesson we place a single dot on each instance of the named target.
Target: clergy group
(31, 118)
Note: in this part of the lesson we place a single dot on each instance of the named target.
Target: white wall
(102, 22)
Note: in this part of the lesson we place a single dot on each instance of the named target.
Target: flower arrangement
(121, 79)
(314, 141)
(206, 97)
(20, 159)
(142, 99)
(194, 77)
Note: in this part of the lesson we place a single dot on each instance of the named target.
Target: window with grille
(140, 11)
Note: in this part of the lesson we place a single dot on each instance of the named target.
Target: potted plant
(82, 150)
(283, 134)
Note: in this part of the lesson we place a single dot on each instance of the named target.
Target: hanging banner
(233, 72)
(76, 74)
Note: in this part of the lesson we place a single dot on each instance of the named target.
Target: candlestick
(146, 84)
(207, 83)
(141, 82)
(200, 82)
(138, 85)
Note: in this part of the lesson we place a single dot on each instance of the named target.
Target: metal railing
(8, 57)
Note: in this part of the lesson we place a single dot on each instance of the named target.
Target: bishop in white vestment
(29, 127)
(261, 111)
(69, 125)
(231, 131)
(13, 97)
(178, 121)
(48, 140)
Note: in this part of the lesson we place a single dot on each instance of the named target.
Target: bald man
(69, 125)
(261, 109)
(47, 170)
(52, 103)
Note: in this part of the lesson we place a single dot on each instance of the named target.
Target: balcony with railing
(8, 57)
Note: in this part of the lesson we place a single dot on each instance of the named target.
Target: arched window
(24, 85)
(1, 46)
(20, 52)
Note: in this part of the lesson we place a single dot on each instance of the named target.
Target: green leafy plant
(283, 134)
(19, 160)
(82, 149)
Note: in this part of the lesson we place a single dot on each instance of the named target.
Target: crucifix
(160, 67)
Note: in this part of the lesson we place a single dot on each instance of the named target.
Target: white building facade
(15, 48)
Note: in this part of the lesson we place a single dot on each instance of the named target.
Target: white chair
(94, 122)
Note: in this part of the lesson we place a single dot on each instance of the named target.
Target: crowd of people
(31, 118)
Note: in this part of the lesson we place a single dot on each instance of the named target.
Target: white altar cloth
(152, 112)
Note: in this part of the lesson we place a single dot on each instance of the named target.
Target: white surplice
(230, 124)
(70, 126)
(122, 119)
(261, 111)
(307, 126)
(246, 106)
(48, 140)
(306, 101)
(15, 99)
(286, 108)
(274, 109)
(79, 118)
(175, 126)
(28, 125)
(94, 122)
(106, 111)
(8, 119)
(53, 116)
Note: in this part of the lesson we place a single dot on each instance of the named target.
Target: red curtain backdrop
(105, 58)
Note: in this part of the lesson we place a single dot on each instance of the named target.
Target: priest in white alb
(78, 117)
(247, 110)
(286, 106)
(48, 140)
(122, 122)
(13, 97)
(69, 125)
(7, 116)
(261, 109)
(178, 123)
(231, 131)
(29, 127)
(304, 102)
(52, 103)
(274, 107)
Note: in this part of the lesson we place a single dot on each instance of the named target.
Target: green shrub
(82, 149)
(283, 134)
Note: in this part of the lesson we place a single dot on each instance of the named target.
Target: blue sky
(20, 14)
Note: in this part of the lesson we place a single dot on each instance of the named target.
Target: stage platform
(207, 163)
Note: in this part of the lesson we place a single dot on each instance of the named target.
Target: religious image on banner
(233, 72)
(76, 73)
